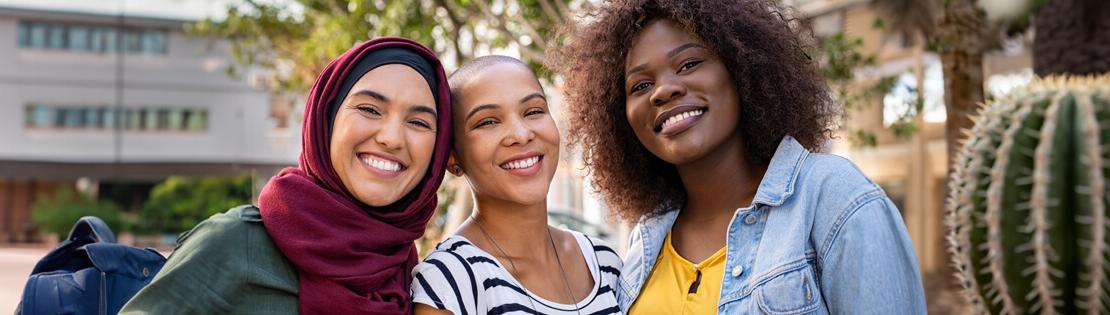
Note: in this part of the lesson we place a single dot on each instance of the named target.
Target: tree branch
(455, 30)
(551, 11)
(499, 23)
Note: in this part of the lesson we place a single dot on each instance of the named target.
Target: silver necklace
(551, 240)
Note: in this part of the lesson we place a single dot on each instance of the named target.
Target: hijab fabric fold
(352, 258)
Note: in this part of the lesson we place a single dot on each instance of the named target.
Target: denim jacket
(819, 238)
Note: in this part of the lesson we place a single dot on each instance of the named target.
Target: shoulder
(847, 200)
(238, 227)
(835, 184)
(232, 239)
(608, 261)
(446, 278)
(226, 255)
(606, 253)
(832, 169)
(451, 261)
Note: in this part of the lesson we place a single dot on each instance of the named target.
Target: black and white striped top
(465, 280)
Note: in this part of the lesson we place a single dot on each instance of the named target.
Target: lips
(678, 119)
(519, 164)
(382, 163)
(523, 164)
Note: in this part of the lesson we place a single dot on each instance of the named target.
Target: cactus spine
(1027, 201)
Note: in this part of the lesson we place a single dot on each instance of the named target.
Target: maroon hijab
(351, 258)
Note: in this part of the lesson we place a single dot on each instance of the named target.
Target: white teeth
(680, 117)
(381, 164)
(525, 163)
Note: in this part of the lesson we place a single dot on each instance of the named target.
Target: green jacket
(225, 265)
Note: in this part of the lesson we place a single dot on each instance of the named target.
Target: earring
(455, 169)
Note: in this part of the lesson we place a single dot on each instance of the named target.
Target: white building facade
(116, 97)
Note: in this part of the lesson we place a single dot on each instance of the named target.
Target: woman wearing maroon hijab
(335, 234)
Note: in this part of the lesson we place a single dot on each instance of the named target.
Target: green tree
(292, 41)
(58, 214)
(179, 203)
(840, 58)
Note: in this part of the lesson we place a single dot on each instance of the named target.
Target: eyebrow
(670, 54)
(424, 109)
(419, 108)
(372, 94)
(531, 96)
(481, 108)
(679, 49)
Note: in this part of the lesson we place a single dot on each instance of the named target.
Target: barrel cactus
(1027, 201)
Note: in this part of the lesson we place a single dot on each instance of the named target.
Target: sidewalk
(15, 266)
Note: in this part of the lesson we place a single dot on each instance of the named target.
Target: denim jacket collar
(782, 172)
(776, 186)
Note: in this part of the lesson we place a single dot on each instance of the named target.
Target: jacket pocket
(792, 292)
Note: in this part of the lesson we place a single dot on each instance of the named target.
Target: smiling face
(384, 134)
(681, 101)
(506, 142)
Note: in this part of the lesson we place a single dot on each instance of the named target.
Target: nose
(518, 133)
(389, 135)
(668, 88)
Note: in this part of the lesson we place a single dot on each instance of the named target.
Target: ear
(453, 165)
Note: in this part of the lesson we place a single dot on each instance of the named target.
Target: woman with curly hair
(700, 121)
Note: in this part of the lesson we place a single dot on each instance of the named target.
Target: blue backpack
(88, 273)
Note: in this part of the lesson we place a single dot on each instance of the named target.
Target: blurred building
(912, 170)
(115, 97)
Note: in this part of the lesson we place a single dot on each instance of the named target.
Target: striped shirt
(463, 279)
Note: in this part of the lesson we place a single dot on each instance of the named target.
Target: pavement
(15, 266)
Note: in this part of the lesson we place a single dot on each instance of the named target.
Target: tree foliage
(58, 214)
(841, 57)
(291, 41)
(179, 203)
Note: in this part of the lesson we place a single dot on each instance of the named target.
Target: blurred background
(155, 114)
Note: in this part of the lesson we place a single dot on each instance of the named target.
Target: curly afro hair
(780, 89)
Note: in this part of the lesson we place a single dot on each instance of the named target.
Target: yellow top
(670, 287)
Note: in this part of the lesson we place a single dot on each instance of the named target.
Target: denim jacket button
(737, 271)
(750, 219)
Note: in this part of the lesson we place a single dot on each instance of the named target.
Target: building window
(79, 38)
(99, 39)
(103, 40)
(93, 117)
(56, 36)
(195, 120)
(154, 42)
(37, 36)
(163, 119)
(132, 41)
(24, 35)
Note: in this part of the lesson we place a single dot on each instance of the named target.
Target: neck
(721, 182)
(519, 229)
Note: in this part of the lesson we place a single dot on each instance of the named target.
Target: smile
(678, 119)
(521, 163)
(380, 163)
